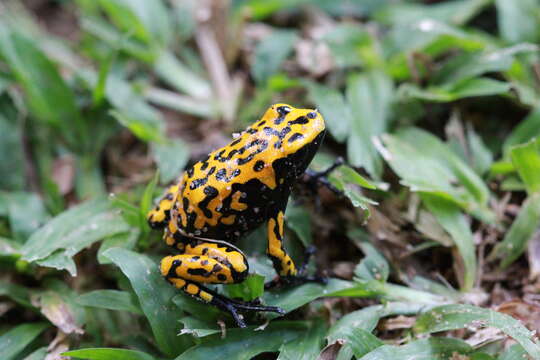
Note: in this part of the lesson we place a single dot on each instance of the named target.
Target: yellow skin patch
(213, 195)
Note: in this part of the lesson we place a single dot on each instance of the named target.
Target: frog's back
(233, 190)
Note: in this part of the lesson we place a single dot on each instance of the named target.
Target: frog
(230, 193)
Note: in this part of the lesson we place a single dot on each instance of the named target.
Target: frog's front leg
(283, 264)
(211, 263)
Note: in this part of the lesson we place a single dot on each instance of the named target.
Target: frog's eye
(176, 263)
(283, 110)
(312, 115)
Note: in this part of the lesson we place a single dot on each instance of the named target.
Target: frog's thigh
(283, 263)
(225, 254)
(159, 216)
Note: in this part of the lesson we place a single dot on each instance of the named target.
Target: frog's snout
(166, 264)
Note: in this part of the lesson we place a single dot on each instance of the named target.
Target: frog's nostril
(312, 115)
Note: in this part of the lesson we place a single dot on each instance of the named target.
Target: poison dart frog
(232, 191)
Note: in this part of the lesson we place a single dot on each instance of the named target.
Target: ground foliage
(433, 252)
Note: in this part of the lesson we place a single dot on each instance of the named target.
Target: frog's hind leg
(211, 263)
(160, 215)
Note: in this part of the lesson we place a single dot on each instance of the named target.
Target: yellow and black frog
(230, 193)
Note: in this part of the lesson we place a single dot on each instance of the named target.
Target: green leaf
(244, 344)
(514, 352)
(453, 221)
(425, 349)
(171, 158)
(299, 220)
(108, 354)
(149, 21)
(71, 231)
(331, 104)
(197, 327)
(11, 152)
(351, 45)
(295, 297)
(16, 339)
(17, 293)
(19, 205)
(525, 131)
(470, 65)
(270, 54)
(49, 98)
(457, 316)
(369, 96)
(148, 196)
(425, 164)
(455, 91)
(373, 266)
(522, 230)
(110, 299)
(172, 71)
(155, 296)
(249, 289)
(307, 346)
(456, 12)
(39, 354)
(363, 342)
(526, 160)
(518, 20)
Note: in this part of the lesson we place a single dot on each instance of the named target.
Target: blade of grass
(16, 339)
(457, 316)
(107, 354)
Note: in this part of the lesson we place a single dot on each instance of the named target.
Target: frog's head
(296, 127)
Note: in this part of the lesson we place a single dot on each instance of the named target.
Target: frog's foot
(314, 179)
(234, 306)
(301, 277)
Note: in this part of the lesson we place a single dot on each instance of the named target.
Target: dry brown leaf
(397, 323)
(54, 308)
(331, 351)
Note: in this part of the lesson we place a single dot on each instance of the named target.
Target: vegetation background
(433, 252)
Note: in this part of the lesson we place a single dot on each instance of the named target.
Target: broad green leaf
(351, 45)
(17, 293)
(305, 347)
(426, 164)
(39, 354)
(132, 111)
(244, 344)
(155, 296)
(373, 266)
(514, 352)
(526, 160)
(110, 299)
(295, 297)
(148, 195)
(249, 289)
(197, 327)
(456, 12)
(526, 130)
(171, 157)
(126, 240)
(362, 342)
(299, 220)
(175, 73)
(72, 231)
(457, 316)
(522, 230)
(108, 354)
(481, 156)
(425, 349)
(16, 339)
(48, 96)
(11, 152)
(270, 54)
(368, 318)
(454, 91)
(19, 205)
(182, 103)
(470, 65)
(452, 220)
(369, 96)
(518, 20)
(149, 21)
(331, 104)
